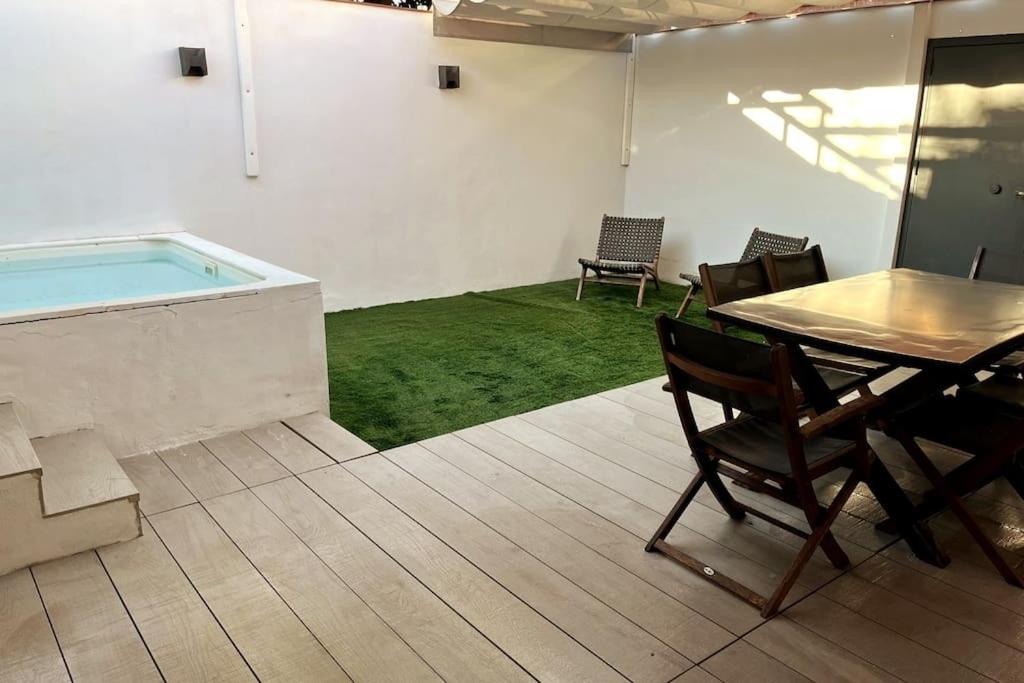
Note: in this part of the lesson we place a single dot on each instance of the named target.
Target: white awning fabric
(640, 16)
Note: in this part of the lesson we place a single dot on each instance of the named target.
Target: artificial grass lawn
(404, 372)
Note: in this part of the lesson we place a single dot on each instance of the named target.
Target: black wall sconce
(193, 61)
(448, 77)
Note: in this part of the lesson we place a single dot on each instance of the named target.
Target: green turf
(404, 372)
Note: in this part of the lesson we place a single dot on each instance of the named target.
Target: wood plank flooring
(508, 551)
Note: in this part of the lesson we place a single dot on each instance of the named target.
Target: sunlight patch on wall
(767, 120)
(846, 132)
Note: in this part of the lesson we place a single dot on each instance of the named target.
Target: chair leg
(676, 512)
(955, 504)
(686, 302)
(818, 533)
(657, 285)
(583, 278)
(718, 487)
(640, 296)
(728, 412)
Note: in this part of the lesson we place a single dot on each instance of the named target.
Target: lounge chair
(759, 244)
(627, 254)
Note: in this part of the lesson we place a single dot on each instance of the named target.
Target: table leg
(901, 511)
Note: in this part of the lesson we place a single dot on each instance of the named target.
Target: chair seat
(998, 392)
(840, 382)
(1015, 362)
(692, 278)
(968, 425)
(762, 444)
(615, 266)
(844, 362)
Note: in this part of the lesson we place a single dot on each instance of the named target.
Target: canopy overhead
(640, 16)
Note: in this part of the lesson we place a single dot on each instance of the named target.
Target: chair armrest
(840, 415)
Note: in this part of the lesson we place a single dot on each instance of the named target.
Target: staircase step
(79, 471)
(16, 453)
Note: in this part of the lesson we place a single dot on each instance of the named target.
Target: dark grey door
(967, 184)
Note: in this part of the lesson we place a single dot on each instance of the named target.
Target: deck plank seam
(49, 621)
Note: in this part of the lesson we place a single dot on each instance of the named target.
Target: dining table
(947, 328)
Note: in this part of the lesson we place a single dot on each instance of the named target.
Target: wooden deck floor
(508, 551)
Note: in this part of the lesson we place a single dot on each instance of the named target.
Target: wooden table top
(901, 316)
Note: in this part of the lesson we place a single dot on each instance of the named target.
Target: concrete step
(74, 497)
(79, 471)
(16, 453)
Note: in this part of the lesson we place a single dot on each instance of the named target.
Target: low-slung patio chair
(627, 254)
(803, 269)
(766, 448)
(992, 437)
(1001, 266)
(760, 243)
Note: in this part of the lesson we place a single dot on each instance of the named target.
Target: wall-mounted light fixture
(448, 77)
(193, 61)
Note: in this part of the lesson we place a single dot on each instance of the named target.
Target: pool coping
(270, 277)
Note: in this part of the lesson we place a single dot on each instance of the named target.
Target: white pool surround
(151, 369)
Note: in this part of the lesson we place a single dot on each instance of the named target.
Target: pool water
(98, 274)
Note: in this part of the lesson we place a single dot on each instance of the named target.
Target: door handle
(1020, 194)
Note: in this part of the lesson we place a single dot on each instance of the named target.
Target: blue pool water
(96, 274)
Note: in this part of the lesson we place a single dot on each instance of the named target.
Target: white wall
(372, 179)
(830, 164)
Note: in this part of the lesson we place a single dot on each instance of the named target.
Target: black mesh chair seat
(1013, 363)
(840, 382)
(844, 362)
(998, 392)
(762, 444)
(965, 425)
(613, 266)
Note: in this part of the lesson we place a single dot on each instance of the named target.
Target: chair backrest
(726, 282)
(799, 269)
(637, 240)
(993, 265)
(750, 377)
(762, 242)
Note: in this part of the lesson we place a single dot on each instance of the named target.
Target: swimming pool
(108, 272)
(155, 340)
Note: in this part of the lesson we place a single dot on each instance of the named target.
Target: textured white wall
(372, 179)
(789, 125)
(798, 126)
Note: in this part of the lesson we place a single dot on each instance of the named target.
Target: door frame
(912, 162)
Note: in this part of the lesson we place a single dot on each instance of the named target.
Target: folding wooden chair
(766, 448)
(760, 243)
(627, 254)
